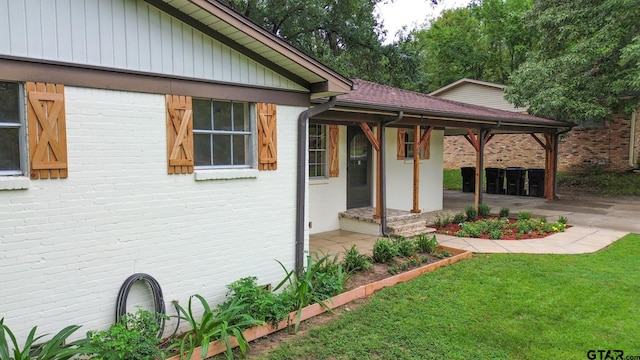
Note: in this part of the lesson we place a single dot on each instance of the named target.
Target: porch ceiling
(374, 103)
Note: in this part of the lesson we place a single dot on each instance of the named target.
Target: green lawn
(494, 307)
(452, 179)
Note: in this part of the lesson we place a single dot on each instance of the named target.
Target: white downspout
(632, 141)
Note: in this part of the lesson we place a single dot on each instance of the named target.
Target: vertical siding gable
(125, 34)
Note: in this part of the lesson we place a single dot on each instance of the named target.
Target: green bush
(563, 220)
(459, 218)
(524, 215)
(471, 212)
(384, 251)
(406, 247)
(426, 243)
(484, 210)
(354, 261)
(469, 230)
(495, 234)
(135, 336)
(261, 303)
(504, 212)
(54, 349)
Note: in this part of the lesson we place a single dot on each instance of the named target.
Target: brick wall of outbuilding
(580, 150)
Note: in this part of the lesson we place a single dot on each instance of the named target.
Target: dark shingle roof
(371, 95)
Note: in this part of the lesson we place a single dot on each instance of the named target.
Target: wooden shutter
(425, 151)
(179, 134)
(47, 131)
(400, 154)
(334, 156)
(267, 139)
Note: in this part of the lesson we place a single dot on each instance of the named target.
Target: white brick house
(154, 137)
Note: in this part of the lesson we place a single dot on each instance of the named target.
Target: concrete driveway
(607, 212)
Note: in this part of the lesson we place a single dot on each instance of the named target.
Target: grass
(501, 306)
(452, 179)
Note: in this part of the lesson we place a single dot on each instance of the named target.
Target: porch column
(550, 157)
(478, 144)
(419, 143)
(375, 143)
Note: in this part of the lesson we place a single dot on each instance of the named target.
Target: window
(408, 144)
(317, 150)
(222, 133)
(11, 129)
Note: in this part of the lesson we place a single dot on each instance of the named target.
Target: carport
(375, 107)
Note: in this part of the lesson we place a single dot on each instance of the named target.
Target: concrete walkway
(597, 221)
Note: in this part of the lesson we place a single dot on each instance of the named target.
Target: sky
(398, 13)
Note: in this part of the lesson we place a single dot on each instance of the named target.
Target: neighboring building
(174, 138)
(610, 145)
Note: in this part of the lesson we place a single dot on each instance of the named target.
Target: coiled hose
(158, 299)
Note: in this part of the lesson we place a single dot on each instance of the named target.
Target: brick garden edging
(346, 297)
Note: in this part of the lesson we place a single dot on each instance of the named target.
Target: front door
(358, 177)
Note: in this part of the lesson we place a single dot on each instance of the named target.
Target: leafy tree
(587, 64)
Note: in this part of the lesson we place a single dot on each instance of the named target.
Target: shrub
(354, 261)
(438, 221)
(459, 218)
(504, 212)
(484, 210)
(563, 220)
(135, 336)
(469, 230)
(405, 247)
(446, 220)
(495, 234)
(426, 243)
(524, 215)
(383, 251)
(472, 213)
(261, 303)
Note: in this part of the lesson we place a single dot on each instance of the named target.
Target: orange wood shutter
(334, 156)
(267, 139)
(179, 134)
(401, 155)
(47, 131)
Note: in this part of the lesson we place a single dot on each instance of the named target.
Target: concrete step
(408, 228)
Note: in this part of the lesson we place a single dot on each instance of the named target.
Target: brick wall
(581, 149)
(67, 245)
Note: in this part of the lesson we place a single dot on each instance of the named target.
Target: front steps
(399, 223)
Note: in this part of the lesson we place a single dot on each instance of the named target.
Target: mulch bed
(452, 229)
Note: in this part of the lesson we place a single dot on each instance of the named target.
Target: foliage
(610, 183)
(134, 337)
(521, 300)
(524, 215)
(471, 212)
(504, 212)
(261, 303)
(484, 210)
(406, 247)
(384, 251)
(301, 287)
(214, 325)
(459, 218)
(54, 349)
(470, 229)
(496, 228)
(563, 220)
(426, 243)
(354, 261)
(586, 65)
(451, 179)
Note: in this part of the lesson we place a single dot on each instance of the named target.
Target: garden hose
(158, 299)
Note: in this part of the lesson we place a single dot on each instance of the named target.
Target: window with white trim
(317, 151)
(222, 134)
(11, 129)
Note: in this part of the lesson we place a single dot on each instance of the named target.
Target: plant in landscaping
(262, 303)
(472, 213)
(384, 251)
(469, 230)
(301, 289)
(393, 269)
(134, 337)
(54, 349)
(354, 261)
(484, 210)
(495, 234)
(406, 247)
(504, 212)
(426, 243)
(524, 215)
(214, 325)
(459, 218)
(563, 220)
(438, 221)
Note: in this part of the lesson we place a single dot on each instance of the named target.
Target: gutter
(303, 129)
(632, 140)
(383, 175)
